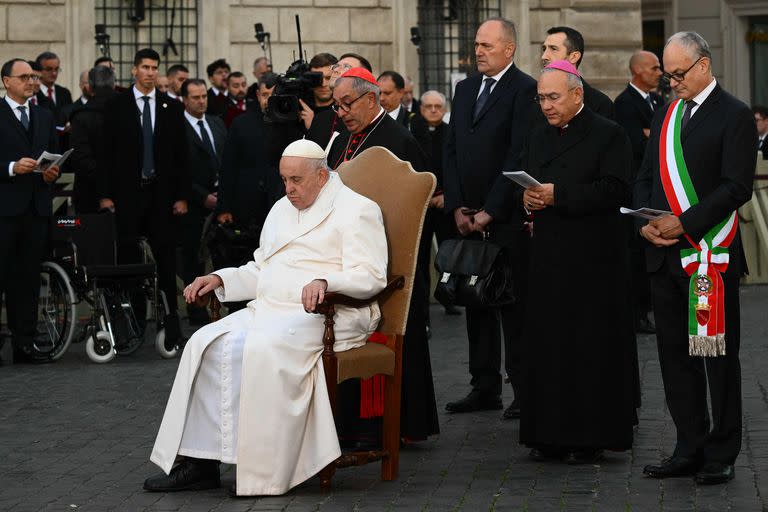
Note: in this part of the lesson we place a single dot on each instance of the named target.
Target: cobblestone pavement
(76, 436)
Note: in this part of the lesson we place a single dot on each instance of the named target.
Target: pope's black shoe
(672, 467)
(713, 473)
(513, 411)
(475, 401)
(190, 475)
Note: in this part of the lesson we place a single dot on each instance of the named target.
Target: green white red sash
(707, 258)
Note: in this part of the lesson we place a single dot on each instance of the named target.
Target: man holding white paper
(26, 131)
(579, 358)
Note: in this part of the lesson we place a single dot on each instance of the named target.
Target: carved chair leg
(326, 475)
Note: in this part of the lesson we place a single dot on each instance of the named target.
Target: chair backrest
(403, 196)
(94, 236)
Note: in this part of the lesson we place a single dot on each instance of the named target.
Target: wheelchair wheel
(160, 346)
(98, 348)
(56, 313)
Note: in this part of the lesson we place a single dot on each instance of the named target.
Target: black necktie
(483, 98)
(207, 143)
(687, 114)
(649, 100)
(148, 139)
(23, 118)
(759, 143)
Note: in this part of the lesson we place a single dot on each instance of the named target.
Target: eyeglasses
(51, 70)
(679, 77)
(26, 78)
(344, 66)
(345, 107)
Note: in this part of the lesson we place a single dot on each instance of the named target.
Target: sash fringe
(706, 346)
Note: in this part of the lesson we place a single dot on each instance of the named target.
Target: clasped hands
(311, 295)
(538, 198)
(664, 231)
(468, 221)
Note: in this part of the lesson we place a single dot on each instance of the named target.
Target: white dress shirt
(140, 104)
(703, 95)
(496, 79)
(395, 113)
(15, 109)
(640, 91)
(192, 120)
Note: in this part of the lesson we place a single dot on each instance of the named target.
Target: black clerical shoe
(190, 475)
(475, 401)
(543, 453)
(583, 456)
(713, 473)
(513, 411)
(452, 310)
(672, 467)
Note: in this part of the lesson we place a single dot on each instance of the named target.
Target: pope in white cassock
(250, 388)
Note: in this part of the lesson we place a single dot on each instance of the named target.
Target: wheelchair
(87, 268)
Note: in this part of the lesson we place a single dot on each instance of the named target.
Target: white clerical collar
(703, 95)
(138, 94)
(14, 105)
(498, 76)
(395, 113)
(640, 91)
(574, 117)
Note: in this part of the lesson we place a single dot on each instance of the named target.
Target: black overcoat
(578, 336)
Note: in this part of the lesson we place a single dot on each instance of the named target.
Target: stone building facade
(378, 29)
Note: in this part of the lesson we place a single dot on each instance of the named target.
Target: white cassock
(250, 388)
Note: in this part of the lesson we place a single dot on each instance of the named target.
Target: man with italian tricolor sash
(699, 166)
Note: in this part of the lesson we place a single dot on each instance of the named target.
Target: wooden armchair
(403, 197)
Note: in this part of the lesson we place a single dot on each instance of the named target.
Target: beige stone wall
(612, 30)
(335, 26)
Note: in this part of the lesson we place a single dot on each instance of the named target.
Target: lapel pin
(165, 105)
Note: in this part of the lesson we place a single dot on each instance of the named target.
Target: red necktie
(50, 94)
(240, 104)
(33, 100)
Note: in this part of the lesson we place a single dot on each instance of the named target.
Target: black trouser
(484, 327)
(23, 240)
(686, 378)
(443, 228)
(191, 232)
(157, 226)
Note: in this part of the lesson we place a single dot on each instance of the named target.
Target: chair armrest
(339, 299)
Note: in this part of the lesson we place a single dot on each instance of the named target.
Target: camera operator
(322, 95)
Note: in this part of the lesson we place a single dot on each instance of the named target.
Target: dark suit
(719, 150)
(634, 114)
(476, 152)
(147, 208)
(415, 106)
(764, 148)
(203, 173)
(217, 103)
(25, 206)
(87, 139)
(63, 98)
(403, 117)
(598, 102)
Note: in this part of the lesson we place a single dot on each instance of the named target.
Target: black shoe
(643, 325)
(23, 356)
(452, 310)
(713, 473)
(672, 467)
(583, 456)
(173, 336)
(190, 475)
(513, 411)
(475, 401)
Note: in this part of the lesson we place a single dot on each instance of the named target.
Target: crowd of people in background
(173, 155)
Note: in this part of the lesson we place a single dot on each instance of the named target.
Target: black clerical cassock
(418, 408)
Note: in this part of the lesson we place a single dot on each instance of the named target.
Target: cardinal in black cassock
(579, 349)
(367, 125)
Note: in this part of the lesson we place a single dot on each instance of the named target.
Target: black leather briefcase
(474, 274)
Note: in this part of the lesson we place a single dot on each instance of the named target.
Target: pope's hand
(313, 294)
(200, 286)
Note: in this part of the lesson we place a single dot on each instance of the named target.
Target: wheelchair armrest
(339, 299)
